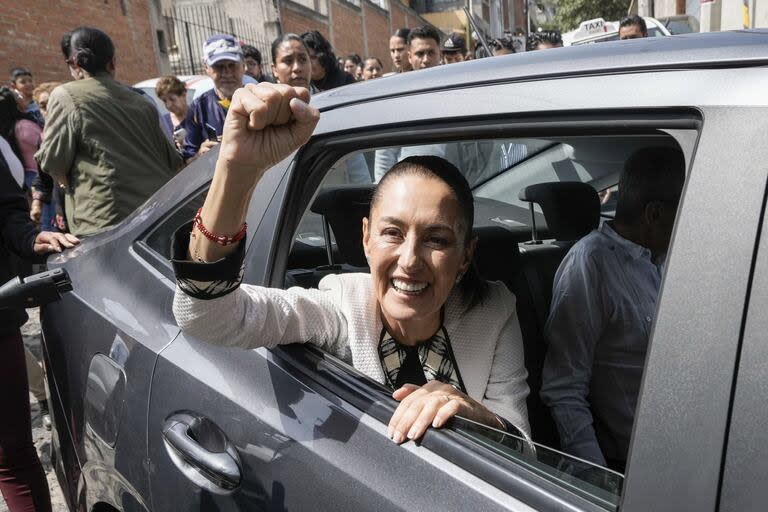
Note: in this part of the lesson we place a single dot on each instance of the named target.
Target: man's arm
(572, 330)
(56, 155)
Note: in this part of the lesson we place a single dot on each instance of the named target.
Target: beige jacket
(342, 317)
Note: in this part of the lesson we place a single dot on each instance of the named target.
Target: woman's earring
(459, 277)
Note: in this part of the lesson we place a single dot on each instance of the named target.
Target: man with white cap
(204, 124)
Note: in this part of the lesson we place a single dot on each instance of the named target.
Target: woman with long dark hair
(103, 140)
(326, 73)
(291, 62)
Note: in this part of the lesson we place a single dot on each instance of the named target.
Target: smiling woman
(412, 323)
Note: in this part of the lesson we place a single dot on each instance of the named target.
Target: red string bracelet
(219, 239)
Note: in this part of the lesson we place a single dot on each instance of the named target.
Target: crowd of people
(78, 157)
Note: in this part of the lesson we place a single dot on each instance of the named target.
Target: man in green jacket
(102, 139)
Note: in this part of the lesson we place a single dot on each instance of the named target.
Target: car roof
(686, 51)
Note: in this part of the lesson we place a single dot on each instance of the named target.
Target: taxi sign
(594, 26)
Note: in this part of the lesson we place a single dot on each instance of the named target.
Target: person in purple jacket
(204, 123)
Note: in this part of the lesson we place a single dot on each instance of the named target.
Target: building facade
(31, 31)
(351, 26)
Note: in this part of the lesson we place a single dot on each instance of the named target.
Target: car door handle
(202, 445)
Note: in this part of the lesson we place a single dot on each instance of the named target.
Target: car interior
(530, 210)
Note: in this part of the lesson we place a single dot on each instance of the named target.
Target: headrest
(344, 207)
(497, 255)
(571, 208)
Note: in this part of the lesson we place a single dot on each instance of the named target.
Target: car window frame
(323, 151)
(147, 252)
(744, 468)
(262, 205)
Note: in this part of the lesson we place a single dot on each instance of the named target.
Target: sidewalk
(42, 438)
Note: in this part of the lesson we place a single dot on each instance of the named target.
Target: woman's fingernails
(398, 437)
(412, 433)
(436, 422)
(389, 432)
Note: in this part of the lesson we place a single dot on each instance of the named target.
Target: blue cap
(220, 47)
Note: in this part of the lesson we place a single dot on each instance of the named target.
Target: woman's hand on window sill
(432, 404)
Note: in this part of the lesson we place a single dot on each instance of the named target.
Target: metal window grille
(188, 27)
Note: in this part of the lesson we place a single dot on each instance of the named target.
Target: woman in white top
(422, 322)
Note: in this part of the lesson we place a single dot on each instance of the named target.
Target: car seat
(571, 210)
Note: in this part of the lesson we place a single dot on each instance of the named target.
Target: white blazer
(342, 317)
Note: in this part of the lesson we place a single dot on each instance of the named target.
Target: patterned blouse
(419, 364)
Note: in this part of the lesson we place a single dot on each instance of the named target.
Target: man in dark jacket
(22, 479)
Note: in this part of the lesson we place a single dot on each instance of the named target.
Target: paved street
(42, 437)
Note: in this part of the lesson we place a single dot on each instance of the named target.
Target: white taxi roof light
(591, 27)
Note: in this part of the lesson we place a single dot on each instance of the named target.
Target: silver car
(148, 418)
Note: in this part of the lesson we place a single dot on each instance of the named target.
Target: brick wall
(30, 32)
(348, 35)
(298, 19)
(347, 28)
(377, 32)
(398, 16)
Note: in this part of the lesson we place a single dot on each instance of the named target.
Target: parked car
(148, 418)
(598, 31)
(196, 85)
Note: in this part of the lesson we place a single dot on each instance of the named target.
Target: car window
(328, 240)
(599, 485)
(159, 239)
(496, 169)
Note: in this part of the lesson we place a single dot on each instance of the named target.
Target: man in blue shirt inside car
(603, 303)
(204, 123)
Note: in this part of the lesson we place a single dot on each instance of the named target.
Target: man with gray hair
(603, 303)
(204, 124)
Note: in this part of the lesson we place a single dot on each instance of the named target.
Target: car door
(291, 428)
(746, 462)
(101, 342)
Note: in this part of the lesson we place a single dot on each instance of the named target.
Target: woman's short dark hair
(374, 58)
(473, 287)
(315, 41)
(290, 36)
(402, 33)
(89, 48)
